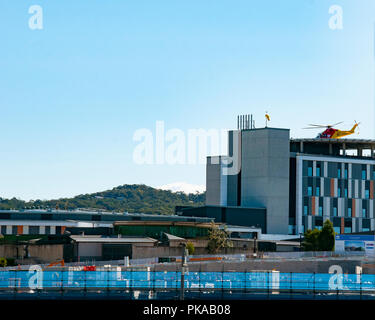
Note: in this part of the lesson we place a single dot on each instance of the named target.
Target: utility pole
(183, 270)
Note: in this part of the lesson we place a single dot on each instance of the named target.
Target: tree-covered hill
(130, 198)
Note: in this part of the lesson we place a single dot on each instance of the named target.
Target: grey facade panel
(265, 175)
(234, 150)
(356, 171)
(213, 181)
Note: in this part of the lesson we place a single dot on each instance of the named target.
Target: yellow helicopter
(332, 133)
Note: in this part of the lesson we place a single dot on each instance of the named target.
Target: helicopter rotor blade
(324, 126)
(332, 125)
(319, 127)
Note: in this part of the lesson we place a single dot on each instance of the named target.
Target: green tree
(311, 240)
(218, 239)
(327, 237)
(3, 262)
(320, 240)
(190, 247)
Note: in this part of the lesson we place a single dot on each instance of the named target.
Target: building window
(334, 211)
(363, 174)
(339, 192)
(309, 191)
(33, 230)
(364, 212)
(318, 171)
(347, 229)
(346, 192)
(320, 211)
(349, 212)
(318, 227)
(291, 229)
(317, 191)
(337, 230)
(338, 173)
(367, 194)
(305, 210)
(310, 171)
(365, 229)
(346, 173)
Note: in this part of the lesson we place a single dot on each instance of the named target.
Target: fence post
(290, 285)
(199, 279)
(123, 270)
(108, 274)
(153, 282)
(15, 283)
(176, 282)
(131, 282)
(85, 288)
(245, 282)
(222, 282)
(314, 284)
(62, 282)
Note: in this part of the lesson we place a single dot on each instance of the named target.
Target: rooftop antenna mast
(245, 122)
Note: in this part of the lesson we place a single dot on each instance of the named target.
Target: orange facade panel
(19, 229)
(372, 189)
(332, 187)
(63, 229)
(313, 206)
(353, 208)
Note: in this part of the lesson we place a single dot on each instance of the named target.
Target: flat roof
(349, 143)
(91, 239)
(230, 207)
(121, 216)
(163, 223)
(264, 128)
(57, 223)
(232, 228)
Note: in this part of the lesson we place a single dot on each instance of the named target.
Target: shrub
(320, 240)
(3, 262)
(218, 239)
(190, 247)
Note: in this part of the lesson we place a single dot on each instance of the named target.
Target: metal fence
(314, 254)
(120, 280)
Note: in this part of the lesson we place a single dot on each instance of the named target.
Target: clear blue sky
(72, 94)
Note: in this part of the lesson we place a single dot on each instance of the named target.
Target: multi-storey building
(328, 183)
(296, 184)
